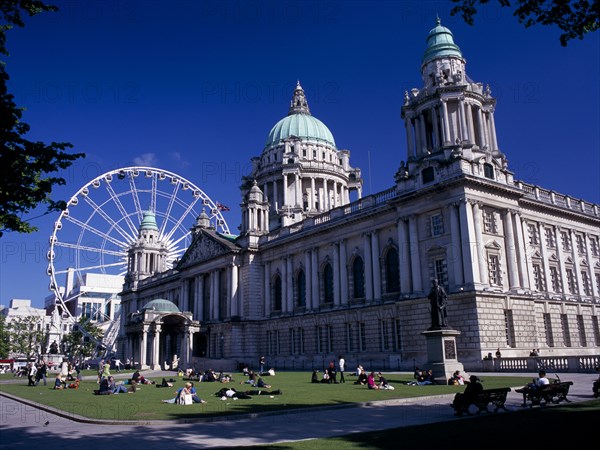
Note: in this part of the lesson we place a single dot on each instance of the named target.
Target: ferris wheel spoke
(181, 219)
(109, 219)
(173, 244)
(86, 227)
(153, 194)
(103, 266)
(135, 195)
(89, 249)
(121, 209)
(169, 208)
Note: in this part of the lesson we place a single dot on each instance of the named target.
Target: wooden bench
(495, 397)
(550, 393)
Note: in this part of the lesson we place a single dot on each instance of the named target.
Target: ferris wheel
(102, 219)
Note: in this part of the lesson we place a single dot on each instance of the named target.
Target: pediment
(204, 248)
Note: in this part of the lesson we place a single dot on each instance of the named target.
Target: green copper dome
(440, 42)
(149, 221)
(300, 123)
(162, 305)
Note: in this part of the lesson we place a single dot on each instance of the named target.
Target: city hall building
(319, 270)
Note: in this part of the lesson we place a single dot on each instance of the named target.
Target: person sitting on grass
(260, 383)
(371, 381)
(116, 388)
(187, 389)
(315, 376)
(58, 382)
(362, 378)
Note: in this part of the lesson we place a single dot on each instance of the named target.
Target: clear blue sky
(194, 88)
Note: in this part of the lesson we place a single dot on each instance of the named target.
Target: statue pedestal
(442, 354)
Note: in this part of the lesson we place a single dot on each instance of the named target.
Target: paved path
(23, 426)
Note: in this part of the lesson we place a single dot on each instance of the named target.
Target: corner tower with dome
(300, 172)
(320, 270)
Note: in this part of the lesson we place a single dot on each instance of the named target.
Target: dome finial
(438, 21)
(298, 105)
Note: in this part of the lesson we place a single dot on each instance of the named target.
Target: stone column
(235, 307)
(544, 251)
(308, 275)
(409, 137)
(336, 274)
(267, 288)
(509, 242)
(463, 123)
(446, 123)
(290, 284)
(456, 247)
(376, 265)
(529, 251)
(143, 347)
(298, 189)
(576, 263)
(481, 127)
(522, 252)
(156, 347)
(368, 267)
(415, 254)
(590, 265)
(561, 259)
(311, 196)
(326, 205)
(217, 294)
(314, 265)
(469, 248)
(404, 256)
(200, 285)
(343, 272)
(470, 125)
(285, 190)
(436, 134)
(480, 249)
(284, 285)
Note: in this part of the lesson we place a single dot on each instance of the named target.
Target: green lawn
(298, 392)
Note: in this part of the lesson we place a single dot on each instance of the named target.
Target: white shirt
(543, 380)
(342, 363)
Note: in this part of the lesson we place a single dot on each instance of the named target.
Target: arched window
(392, 275)
(328, 284)
(358, 275)
(301, 289)
(277, 294)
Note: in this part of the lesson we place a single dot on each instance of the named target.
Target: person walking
(41, 373)
(341, 366)
(31, 371)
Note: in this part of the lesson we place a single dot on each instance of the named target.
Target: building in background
(318, 270)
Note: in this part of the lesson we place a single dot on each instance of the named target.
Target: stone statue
(437, 297)
(54, 348)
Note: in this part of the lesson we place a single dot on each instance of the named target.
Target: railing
(582, 363)
(560, 200)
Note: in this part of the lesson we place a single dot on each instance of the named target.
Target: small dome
(161, 305)
(149, 221)
(440, 42)
(299, 123)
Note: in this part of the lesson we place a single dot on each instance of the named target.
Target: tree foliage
(575, 18)
(81, 343)
(4, 338)
(27, 336)
(28, 170)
